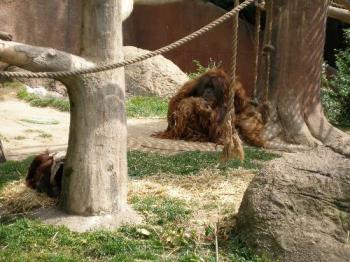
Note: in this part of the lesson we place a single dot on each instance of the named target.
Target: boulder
(298, 208)
(155, 76)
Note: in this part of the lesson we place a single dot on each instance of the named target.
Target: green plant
(335, 92)
(200, 69)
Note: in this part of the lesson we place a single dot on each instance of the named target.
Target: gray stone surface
(54, 216)
(155, 76)
(298, 208)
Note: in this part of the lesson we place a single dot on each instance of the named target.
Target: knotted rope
(232, 142)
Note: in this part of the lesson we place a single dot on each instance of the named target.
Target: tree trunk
(95, 175)
(2, 154)
(297, 38)
(95, 178)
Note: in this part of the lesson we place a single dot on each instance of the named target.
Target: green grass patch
(142, 164)
(37, 101)
(45, 135)
(160, 210)
(146, 106)
(27, 240)
(137, 107)
(14, 85)
(146, 164)
(13, 170)
(40, 122)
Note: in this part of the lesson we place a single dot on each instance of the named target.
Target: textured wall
(153, 26)
(54, 23)
(57, 24)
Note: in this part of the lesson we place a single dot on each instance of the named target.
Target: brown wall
(151, 27)
(57, 24)
(53, 23)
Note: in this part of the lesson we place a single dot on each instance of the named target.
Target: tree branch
(339, 14)
(36, 59)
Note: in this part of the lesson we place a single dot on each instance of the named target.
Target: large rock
(298, 208)
(155, 76)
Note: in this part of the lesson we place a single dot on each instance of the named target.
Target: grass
(165, 234)
(142, 164)
(45, 135)
(11, 85)
(13, 170)
(146, 106)
(19, 137)
(137, 107)
(40, 122)
(146, 164)
(37, 101)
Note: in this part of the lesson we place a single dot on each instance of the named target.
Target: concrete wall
(153, 26)
(57, 24)
(53, 23)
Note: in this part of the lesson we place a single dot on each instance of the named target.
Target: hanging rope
(232, 143)
(257, 46)
(268, 48)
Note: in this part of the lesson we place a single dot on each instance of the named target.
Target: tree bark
(2, 154)
(298, 37)
(95, 178)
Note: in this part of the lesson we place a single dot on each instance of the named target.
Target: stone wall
(54, 23)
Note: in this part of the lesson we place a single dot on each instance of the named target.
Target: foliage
(146, 106)
(200, 69)
(335, 92)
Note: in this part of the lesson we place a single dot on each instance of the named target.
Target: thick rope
(232, 143)
(257, 46)
(100, 68)
(234, 46)
(268, 48)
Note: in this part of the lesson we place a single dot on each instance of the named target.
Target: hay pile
(17, 198)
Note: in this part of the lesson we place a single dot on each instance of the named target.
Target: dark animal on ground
(45, 174)
(197, 110)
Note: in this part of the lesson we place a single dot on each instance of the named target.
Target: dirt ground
(27, 130)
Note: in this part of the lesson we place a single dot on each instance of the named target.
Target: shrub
(335, 92)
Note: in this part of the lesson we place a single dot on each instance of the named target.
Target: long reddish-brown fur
(250, 118)
(39, 175)
(193, 118)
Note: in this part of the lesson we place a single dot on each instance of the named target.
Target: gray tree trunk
(95, 180)
(298, 37)
(2, 154)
